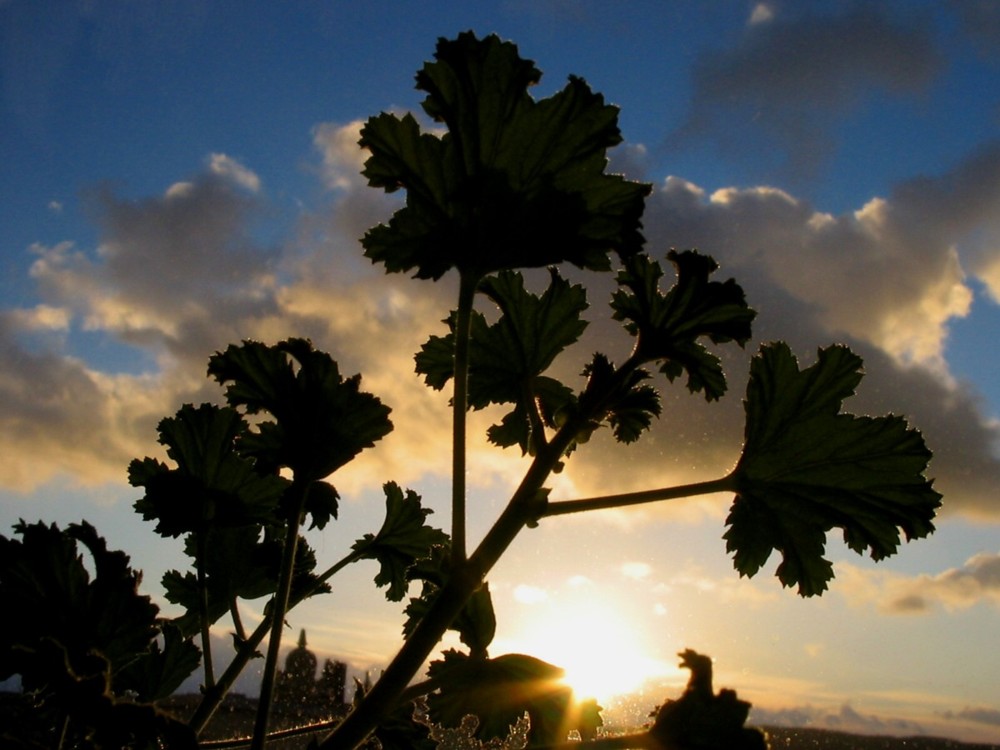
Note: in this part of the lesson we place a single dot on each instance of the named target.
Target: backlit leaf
(212, 484)
(668, 326)
(403, 539)
(806, 469)
(514, 183)
(321, 421)
(507, 358)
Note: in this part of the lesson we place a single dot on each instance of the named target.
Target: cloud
(977, 581)
(526, 594)
(794, 76)
(846, 719)
(981, 715)
(171, 270)
(180, 275)
(636, 570)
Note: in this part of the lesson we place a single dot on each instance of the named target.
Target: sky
(178, 177)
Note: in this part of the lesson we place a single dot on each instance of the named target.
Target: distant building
(300, 696)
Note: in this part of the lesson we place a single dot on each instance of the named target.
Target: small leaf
(514, 183)
(475, 624)
(403, 539)
(669, 325)
(507, 358)
(628, 406)
(806, 468)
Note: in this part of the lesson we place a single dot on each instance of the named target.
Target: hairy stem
(725, 484)
(278, 610)
(460, 407)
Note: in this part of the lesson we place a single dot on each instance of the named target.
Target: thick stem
(460, 408)
(462, 583)
(278, 610)
(725, 484)
(206, 639)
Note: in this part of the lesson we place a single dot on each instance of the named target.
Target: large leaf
(514, 183)
(403, 539)
(498, 692)
(668, 326)
(507, 358)
(806, 468)
(49, 597)
(321, 421)
(212, 485)
(160, 671)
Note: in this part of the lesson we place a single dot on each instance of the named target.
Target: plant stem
(206, 640)
(725, 484)
(234, 611)
(462, 583)
(214, 697)
(460, 406)
(278, 610)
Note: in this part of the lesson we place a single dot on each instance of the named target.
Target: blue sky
(176, 179)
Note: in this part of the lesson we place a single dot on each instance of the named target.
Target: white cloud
(761, 13)
(231, 169)
(636, 570)
(343, 158)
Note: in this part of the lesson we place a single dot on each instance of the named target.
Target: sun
(602, 654)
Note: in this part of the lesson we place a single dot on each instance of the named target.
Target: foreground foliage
(511, 183)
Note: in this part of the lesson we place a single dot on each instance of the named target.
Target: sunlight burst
(602, 656)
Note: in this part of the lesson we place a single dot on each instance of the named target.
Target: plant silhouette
(504, 182)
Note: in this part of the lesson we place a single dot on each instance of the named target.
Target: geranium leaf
(498, 691)
(514, 183)
(629, 407)
(668, 326)
(53, 598)
(160, 671)
(212, 484)
(806, 468)
(321, 421)
(403, 539)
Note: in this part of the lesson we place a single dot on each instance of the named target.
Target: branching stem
(725, 484)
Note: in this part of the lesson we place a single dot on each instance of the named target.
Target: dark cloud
(792, 78)
(847, 719)
(981, 22)
(980, 715)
